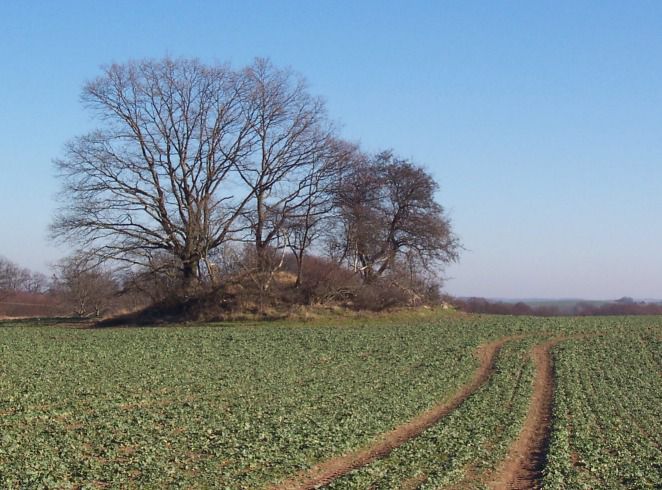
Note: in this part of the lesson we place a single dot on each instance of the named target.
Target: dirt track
(522, 468)
(327, 471)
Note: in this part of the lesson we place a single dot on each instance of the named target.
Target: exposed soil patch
(414, 483)
(327, 471)
(522, 468)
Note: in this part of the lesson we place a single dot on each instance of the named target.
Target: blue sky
(542, 121)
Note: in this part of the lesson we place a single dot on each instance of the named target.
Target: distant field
(256, 406)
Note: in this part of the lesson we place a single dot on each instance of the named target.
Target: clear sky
(542, 121)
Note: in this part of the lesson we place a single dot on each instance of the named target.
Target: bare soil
(523, 466)
(325, 472)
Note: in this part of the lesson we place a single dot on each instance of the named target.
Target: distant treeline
(623, 306)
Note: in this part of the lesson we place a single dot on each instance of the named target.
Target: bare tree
(388, 213)
(86, 288)
(36, 283)
(11, 276)
(292, 142)
(306, 226)
(190, 159)
(155, 177)
(14, 278)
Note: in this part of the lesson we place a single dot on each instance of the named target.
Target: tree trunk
(299, 259)
(260, 246)
(190, 274)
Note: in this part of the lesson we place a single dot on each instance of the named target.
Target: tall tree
(154, 177)
(292, 142)
(388, 213)
(306, 225)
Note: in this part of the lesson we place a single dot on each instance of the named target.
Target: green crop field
(249, 406)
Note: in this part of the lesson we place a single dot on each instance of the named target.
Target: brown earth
(522, 468)
(325, 472)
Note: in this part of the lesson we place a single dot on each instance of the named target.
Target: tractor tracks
(521, 469)
(523, 466)
(325, 472)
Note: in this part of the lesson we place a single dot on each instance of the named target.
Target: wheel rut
(327, 471)
(522, 469)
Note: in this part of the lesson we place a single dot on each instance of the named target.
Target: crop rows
(225, 407)
(248, 406)
(465, 444)
(608, 418)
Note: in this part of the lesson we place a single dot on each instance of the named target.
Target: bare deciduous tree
(86, 288)
(14, 278)
(11, 275)
(292, 142)
(388, 212)
(190, 160)
(154, 178)
(306, 226)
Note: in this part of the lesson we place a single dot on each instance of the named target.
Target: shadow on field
(74, 322)
(208, 307)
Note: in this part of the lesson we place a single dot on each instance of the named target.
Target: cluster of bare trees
(78, 286)
(623, 306)
(85, 287)
(198, 174)
(16, 279)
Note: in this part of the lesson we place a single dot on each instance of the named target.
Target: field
(434, 401)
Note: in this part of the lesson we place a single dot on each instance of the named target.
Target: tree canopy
(189, 158)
